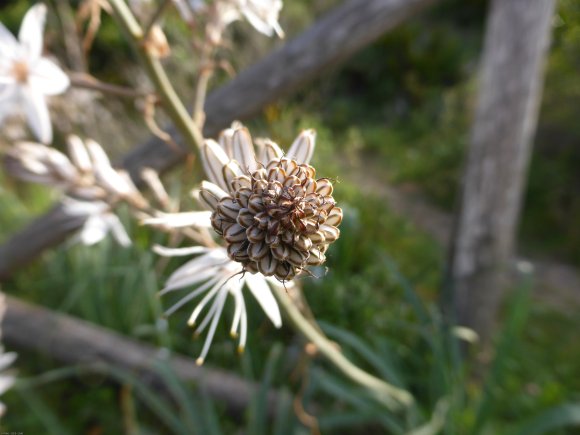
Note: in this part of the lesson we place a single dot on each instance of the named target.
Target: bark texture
(331, 40)
(516, 41)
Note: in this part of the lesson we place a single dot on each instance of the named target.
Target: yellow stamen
(20, 71)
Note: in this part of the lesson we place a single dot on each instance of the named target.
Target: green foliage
(552, 206)
(403, 105)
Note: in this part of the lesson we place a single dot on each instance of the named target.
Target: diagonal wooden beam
(73, 341)
(335, 37)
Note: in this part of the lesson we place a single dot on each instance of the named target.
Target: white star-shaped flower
(26, 77)
(212, 273)
(99, 221)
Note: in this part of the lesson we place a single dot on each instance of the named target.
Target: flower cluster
(274, 217)
(87, 174)
(87, 178)
(261, 14)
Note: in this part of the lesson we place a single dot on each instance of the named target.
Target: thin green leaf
(258, 417)
(355, 398)
(284, 421)
(45, 415)
(345, 337)
(560, 416)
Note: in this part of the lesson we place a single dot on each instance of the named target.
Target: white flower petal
(244, 327)
(227, 12)
(8, 43)
(5, 383)
(302, 148)
(31, 29)
(74, 207)
(187, 278)
(230, 171)
(189, 297)
(117, 229)
(225, 140)
(9, 96)
(47, 78)
(214, 158)
(210, 194)
(195, 270)
(6, 358)
(243, 150)
(263, 294)
(37, 114)
(79, 154)
(270, 151)
(98, 154)
(238, 298)
(93, 231)
(263, 15)
(176, 252)
(199, 219)
(219, 305)
(210, 294)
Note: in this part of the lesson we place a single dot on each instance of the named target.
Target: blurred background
(393, 126)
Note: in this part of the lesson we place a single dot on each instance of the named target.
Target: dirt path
(557, 284)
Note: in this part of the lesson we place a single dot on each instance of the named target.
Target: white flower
(261, 14)
(214, 274)
(99, 221)
(6, 379)
(26, 77)
(6, 359)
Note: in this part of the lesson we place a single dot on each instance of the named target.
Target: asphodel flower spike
(275, 218)
(274, 215)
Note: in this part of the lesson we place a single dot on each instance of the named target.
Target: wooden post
(516, 40)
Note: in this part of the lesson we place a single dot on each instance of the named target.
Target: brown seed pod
(277, 219)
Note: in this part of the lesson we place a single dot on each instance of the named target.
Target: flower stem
(394, 398)
(172, 104)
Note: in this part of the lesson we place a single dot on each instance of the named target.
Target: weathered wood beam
(343, 31)
(73, 341)
(330, 41)
(516, 41)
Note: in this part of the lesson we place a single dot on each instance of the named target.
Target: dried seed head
(278, 219)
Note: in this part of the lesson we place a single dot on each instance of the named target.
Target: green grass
(384, 329)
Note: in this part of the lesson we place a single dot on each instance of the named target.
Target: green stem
(172, 104)
(394, 398)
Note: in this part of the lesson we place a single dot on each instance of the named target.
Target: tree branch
(74, 341)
